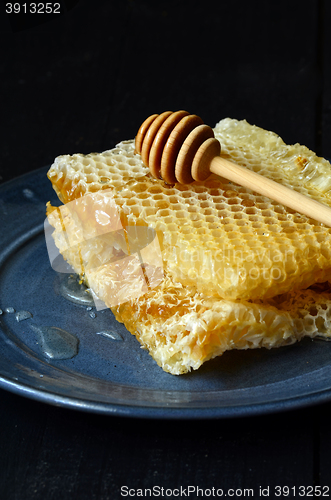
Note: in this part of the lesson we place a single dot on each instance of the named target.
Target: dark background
(83, 80)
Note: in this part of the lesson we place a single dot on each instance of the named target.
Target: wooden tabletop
(85, 78)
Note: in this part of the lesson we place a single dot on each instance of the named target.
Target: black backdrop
(87, 78)
(80, 81)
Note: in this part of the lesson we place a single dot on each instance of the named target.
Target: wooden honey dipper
(179, 147)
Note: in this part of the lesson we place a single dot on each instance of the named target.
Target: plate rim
(129, 411)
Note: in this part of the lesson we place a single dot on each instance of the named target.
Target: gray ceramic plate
(110, 373)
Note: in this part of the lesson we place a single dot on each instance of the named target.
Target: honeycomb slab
(233, 260)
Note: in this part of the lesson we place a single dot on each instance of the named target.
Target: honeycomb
(236, 264)
(220, 237)
(182, 329)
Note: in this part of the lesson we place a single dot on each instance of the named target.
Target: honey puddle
(111, 335)
(71, 289)
(56, 343)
